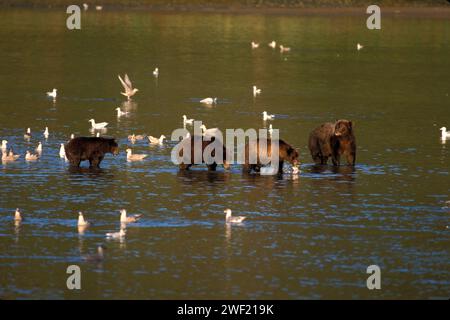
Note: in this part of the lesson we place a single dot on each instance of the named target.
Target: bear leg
(336, 159)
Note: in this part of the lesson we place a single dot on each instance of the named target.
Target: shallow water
(310, 236)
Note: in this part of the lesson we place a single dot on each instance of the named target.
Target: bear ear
(290, 151)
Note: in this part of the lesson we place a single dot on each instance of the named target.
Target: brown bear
(90, 148)
(333, 140)
(204, 143)
(286, 153)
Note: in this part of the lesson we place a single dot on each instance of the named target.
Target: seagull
(98, 8)
(134, 157)
(62, 151)
(359, 46)
(98, 126)
(52, 93)
(256, 91)
(97, 135)
(444, 133)
(267, 116)
(85, 6)
(10, 156)
(98, 257)
(209, 100)
(4, 145)
(284, 49)
(156, 72)
(27, 134)
(211, 132)
(116, 235)
(186, 120)
(72, 136)
(129, 219)
(46, 133)
(81, 221)
(39, 147)
(129, 90)
(230, 219)
(17, 215)
(255, 45)
(121, 113)
(154, 140)
(273, 44)
(31, 157)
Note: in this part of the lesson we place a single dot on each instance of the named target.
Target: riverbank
(336, 8)
(226, 4)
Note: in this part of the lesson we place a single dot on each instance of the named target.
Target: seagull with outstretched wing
(129, 90)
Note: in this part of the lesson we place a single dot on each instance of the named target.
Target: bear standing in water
(333, 140)
(286, 153)
(90, 148)
(189, 145)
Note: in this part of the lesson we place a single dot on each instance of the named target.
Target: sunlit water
(310, 236)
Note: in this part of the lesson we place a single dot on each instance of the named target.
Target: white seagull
(27, 134)
(17, 215)
(62, 151)
(46, 133)
(39, 147)
(209, 100)
(98, 126)
(121, 113)
(444, 133)
(230, 219)
(256, 91)
(273, 44)
(156, 72)
(85, 6)
(31, 157)
(134, 157)
(284, 49)
(128, 219)
(81, 221)
(267, 116)
(128, 87)
(255, 45)
(116, 235)
(154, 140)
(211, 132)
(52, 93)
(187, 121)
(4, 145)
(359, 46)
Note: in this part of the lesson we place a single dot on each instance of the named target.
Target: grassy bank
(224, 4)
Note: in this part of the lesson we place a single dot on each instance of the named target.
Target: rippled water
(306, 237)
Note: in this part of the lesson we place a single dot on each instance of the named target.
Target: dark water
(310, 236)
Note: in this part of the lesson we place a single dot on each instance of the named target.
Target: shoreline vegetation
(409, 7)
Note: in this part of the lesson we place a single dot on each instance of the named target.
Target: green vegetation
(223, 4)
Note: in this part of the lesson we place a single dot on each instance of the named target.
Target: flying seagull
(129, 90)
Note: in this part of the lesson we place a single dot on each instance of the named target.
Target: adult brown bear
(333, 140)
(90, 148)
(286, 153)
(189, 144)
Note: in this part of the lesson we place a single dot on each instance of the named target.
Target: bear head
(342, 128)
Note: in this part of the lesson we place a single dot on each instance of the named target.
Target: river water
(306, 236)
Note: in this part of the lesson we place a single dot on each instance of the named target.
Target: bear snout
(115, 151)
